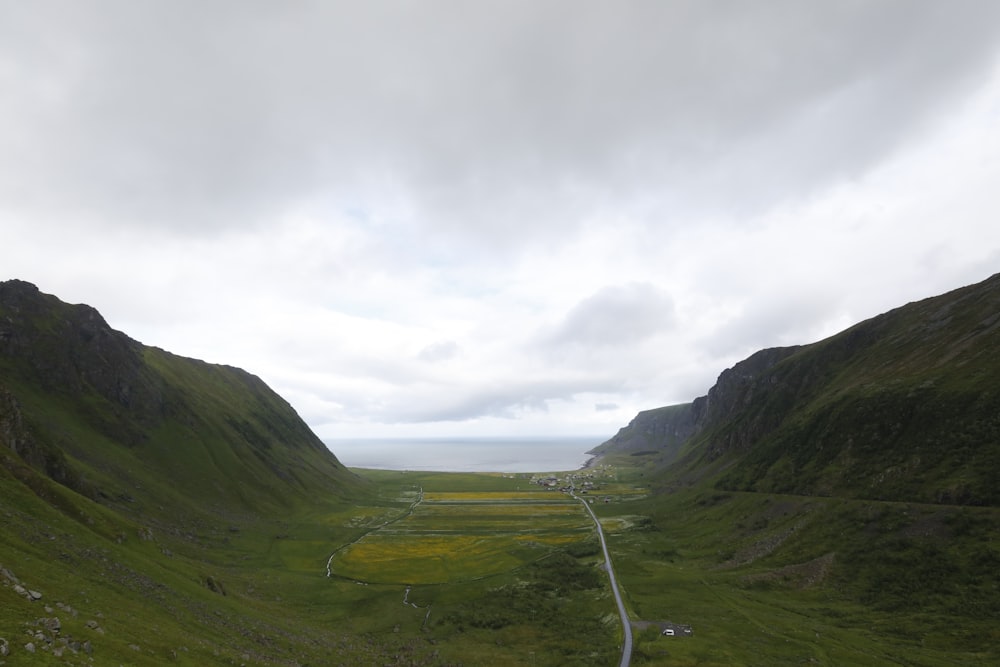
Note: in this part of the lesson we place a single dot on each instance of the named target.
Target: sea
(540, 454)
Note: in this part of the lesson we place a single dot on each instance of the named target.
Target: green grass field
(469, 569)
(791, 580)
(492, 571)
(451, 537)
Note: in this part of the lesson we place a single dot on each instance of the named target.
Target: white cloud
(440, 351)
(495, 218)
(616, 315)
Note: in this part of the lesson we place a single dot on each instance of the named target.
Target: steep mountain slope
(653, 436)
(904, 406)
(141, 429)
(823, 497)
(146, 501)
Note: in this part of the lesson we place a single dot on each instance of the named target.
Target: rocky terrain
(904, 406)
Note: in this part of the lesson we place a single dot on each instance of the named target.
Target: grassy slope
(783, 579)
(222, 562)
(548, 606)
(214, 594)
(762, 578)
(259, 594)
(154, 495)
(852, 532)
(653, 437)
(904, 406)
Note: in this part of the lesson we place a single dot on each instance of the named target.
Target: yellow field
(453, 537)
(493, 496)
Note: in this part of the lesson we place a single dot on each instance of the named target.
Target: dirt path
(408, 512)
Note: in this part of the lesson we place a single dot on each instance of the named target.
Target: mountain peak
(94, 400)
(903, 406)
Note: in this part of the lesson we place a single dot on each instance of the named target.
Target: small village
(584, 482)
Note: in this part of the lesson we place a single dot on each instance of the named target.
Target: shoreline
(466, 455)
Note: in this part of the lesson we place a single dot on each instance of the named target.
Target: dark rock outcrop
(903, 406)
(81, 401)
(666, 430)
(70, 350)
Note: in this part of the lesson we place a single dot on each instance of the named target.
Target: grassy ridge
(762, 579)
(256, 591)
(903, 407)
(176, 512)
(151, 433)
(154, 496)
(779, 579)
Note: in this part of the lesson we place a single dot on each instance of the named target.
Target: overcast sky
(428, 218)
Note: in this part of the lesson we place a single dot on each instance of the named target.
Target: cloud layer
(517, 217)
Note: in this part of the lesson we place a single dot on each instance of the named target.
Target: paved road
(626, 625)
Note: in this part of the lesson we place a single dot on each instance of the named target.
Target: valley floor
(474, 568)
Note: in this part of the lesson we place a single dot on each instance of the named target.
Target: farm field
(472, 568)
(490, 569)
(451, 537)
(771, 579)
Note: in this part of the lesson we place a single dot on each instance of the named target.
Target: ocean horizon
(483, 454)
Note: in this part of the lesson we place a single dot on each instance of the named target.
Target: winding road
(626, 624)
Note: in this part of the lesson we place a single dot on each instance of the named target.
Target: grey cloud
(441, 351)
(409, 149)
(605, 407)
(786, 318)
(506, 401)
(614, 316)
(484, 117)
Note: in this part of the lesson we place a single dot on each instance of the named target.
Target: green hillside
(834, 503)
(904, 406)
(134, 482)
(139, 428)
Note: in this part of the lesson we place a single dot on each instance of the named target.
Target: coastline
(512, 455)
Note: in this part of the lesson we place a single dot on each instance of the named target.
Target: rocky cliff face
(70, 350)
(18, 443)
(13, 433)
(734, 397)
(903, 406)
(666, 430)
(661, 430)
(79, 400)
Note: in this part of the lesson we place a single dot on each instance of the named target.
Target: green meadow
(772, 579)
(424, 569)
(452, 537)
(168, 511)
(487, 568)
(762, 579)
(472, 569)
